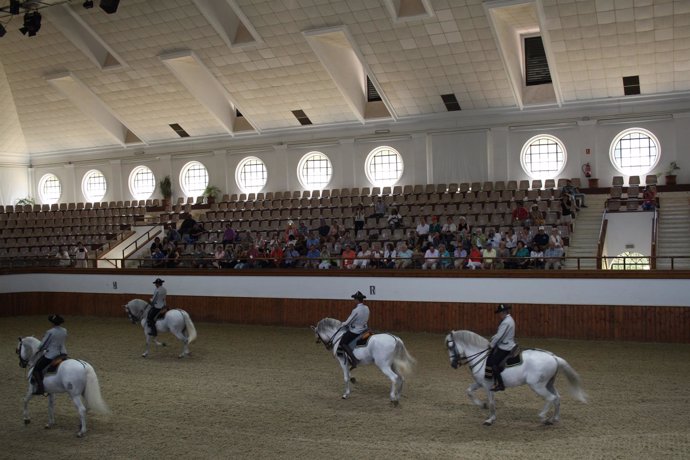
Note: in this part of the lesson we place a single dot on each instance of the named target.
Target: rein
(480, 356)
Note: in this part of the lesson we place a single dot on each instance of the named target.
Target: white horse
(538, 370)
(387, 351)
(176, 321)
(73, 376)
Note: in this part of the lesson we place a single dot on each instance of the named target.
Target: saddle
(363, 339)
(54, 364)
(513, 359)
(161, 313)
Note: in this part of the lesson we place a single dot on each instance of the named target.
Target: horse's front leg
(79, 404)
(27, 398)
(492, 407)
(51, 411)
(342, 360)
(148, 343)
(470, 394)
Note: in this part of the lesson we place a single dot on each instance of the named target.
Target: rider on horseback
(157, 304)
(501, 345)
(52, 346)
(356, 324)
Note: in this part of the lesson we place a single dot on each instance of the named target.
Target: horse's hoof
(485, 406)
(80, 434)
(144, 355)
(395, 403)
(47, 426)
(344, 396)
(547, 422)
(353, 380)
(27, 421)
(488, 423)
(163, 344)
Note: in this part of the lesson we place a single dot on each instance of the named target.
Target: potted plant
(211, 193)
(671, 173)
(25, 201)
(166, 190)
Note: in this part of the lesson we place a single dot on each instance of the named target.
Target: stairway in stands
(585, 236)
(674, 229)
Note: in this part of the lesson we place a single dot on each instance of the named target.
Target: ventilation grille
(536, 66)
(301, 117)
(631, 85)
(372, 94)
(178, 129)
(451, 102)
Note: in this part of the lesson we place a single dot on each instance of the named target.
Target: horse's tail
(573, 379)
(189, 325)
(402, 360)
(92, 392)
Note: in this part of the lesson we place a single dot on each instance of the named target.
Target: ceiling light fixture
(32, 23)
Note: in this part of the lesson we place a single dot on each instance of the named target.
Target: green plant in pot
(211, 193)
(166, 189)
(25, 201)
(671, 173)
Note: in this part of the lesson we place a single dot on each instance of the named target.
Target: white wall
(643, 292)
(440, 152)
(629, 232)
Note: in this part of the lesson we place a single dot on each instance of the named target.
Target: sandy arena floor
(268, 392)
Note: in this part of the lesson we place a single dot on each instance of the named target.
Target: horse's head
(26, 350)
(134, 310)
(453, 352)
(326, 331)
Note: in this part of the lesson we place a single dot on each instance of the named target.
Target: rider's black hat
(502, 308)
(158, 281)
(358, 296)
(56, 319)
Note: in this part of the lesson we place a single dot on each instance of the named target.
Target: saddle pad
(514, 360)
(363, 339)
(54, 364)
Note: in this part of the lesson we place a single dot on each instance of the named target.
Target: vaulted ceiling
(239, 68)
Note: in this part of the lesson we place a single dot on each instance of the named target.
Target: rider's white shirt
(505, 337)
(357, 321)
(158, 299)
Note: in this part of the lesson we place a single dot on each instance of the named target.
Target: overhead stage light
(88, 4)
(109, 6)
(32, 23)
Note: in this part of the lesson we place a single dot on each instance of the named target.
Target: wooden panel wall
(616, 322)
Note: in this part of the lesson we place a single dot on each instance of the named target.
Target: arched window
(314, 171)
(251, 175)
(384, 166)
(142, 183)
(49, 189)
(94, 185)
(543, 157)
(635, 151)
(193, 178)
(630, 261)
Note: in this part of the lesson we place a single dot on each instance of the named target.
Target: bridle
(319, 339)
(457, 360)
(22, 362)
(132, 317)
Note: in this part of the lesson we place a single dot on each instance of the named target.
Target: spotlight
(88, 4)
(109, 6)
(32, 23)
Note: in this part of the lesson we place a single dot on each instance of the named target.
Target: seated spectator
(173, 259)
(241, 259)
(462, 224)
(302, 229)
(359, 218)
(404, 257)
(541, 239)
(186, 225)
(313, 257)
(553, 256)
(63, 257)
(525, 235)
(478, 237)
(173, 235)
(422, 231)
(520, 214)
(194, 234)
(389, 256)
(218, 256)
(290, 231)
(555, 236)
(376, 256)
(158, 258)
(290, 256)
(325, 258)
(536, 217)
(435, 230)
(156, 245)
(229, 235)
(510, 239)
(379, 208)
(324, 229)
(313, 240)
(493, 237)
(348, 257)
(537, 257)
(394, 219)
(448, 230)
(446, 261)
(520, 256)
(276, 255)
(460, 257)
(255, 257)
(474, 259)
(363, 257)
(489, 257)
(199, 257)
(578, 197)
(502, 256)
(431, 258)
(649, 198)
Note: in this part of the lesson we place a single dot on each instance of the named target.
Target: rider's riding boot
(498, 384)
(353, 361)
(152, 330)
(38, 380)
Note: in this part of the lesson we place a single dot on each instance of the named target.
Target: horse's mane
(470, 338)
(331, 323)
